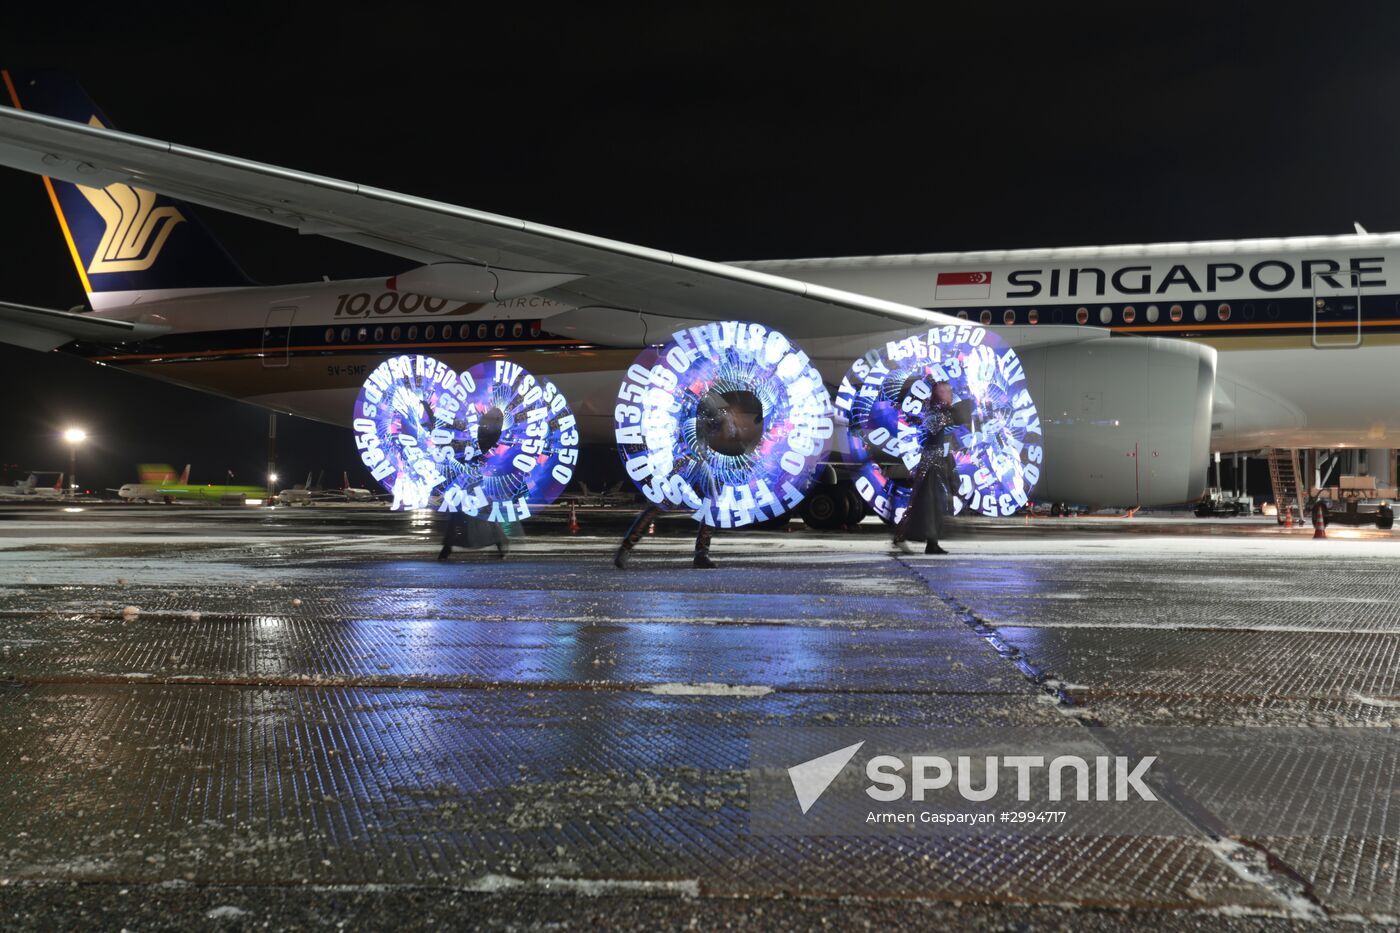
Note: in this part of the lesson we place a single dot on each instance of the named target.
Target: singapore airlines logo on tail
(136, 228)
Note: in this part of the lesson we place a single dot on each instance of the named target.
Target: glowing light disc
(727, 420)
(492, 441)
(882, 401)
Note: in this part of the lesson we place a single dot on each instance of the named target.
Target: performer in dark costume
(730, 424)
(935, 471)
(468, 531)
(639, 528)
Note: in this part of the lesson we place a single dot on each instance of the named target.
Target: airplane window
(362, 334)
(345, 335)
(430, 332)
(413, 332)
(963, 315)
(500, 330)
(1272, 311)
(1129, 314)
(394, 334)
(1082, 315)
(534, 328)
(330, 335)
(1152, 314)
(517, 330)
(1033, 316)
(447, 332)
(379, 335)
(1175, 312)
(481, 332)
(1223, 312)
(1199, 312)
(1249, 312)
(1008, 317)
(985, 317)
(1105, 315)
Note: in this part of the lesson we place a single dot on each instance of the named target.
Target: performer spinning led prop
(929, 479)
(493, 440)
(521, 444)
(403, 426)
(727, 421)
(998, 451)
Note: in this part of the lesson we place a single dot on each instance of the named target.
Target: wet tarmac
(296, 718)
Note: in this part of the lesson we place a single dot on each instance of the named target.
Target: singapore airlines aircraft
(1141, 359)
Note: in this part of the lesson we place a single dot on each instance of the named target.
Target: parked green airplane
(159, 484)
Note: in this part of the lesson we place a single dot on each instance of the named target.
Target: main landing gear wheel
(825, 508)
(855, 505)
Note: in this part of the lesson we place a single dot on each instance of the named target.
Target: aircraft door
(277, 336)
(1336, 309)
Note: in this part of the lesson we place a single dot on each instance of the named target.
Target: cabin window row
(1128, 314)
(430, 332)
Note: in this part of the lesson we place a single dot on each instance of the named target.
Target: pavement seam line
(1281, 881)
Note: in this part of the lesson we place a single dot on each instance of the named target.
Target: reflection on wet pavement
(316, 701)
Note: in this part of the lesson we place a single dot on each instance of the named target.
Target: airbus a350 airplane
(1141, 359)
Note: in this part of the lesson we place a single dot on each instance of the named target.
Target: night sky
(741, 132)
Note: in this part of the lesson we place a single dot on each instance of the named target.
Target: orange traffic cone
(1287, 516)
(1319, 521)
(573, 519)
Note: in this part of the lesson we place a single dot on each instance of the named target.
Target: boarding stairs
(1285, 472)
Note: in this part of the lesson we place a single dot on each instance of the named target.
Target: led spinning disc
(727, 420)
(493, 441)
(519, 444)
(886, 396)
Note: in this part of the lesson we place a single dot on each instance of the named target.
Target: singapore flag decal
(960, 286)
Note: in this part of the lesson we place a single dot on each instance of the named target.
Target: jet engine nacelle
(1126, 420)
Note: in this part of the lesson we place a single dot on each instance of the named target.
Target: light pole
(74, 437)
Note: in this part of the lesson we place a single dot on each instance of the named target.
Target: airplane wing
(44, 329)
(584, 271)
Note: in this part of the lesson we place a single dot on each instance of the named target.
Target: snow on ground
(709, 690)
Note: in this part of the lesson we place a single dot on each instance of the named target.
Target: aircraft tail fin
(127, 243)
(155, 473)
(185, 476)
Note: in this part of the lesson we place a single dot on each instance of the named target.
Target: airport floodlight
(74, 437)
(272, 477)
